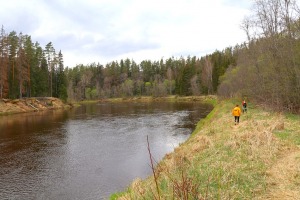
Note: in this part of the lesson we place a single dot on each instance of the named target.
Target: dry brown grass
(247, 161)
(284, 177)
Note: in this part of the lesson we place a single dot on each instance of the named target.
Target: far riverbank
(34, 104)
(205, 99)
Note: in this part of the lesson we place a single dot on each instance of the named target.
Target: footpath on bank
(257, 159)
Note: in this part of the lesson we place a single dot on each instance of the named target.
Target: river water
(91, 151)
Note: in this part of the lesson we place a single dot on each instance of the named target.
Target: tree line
(265, 68)
(268, 64)
(26, 69)
(171, 76)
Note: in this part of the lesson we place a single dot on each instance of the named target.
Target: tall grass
(221, 160)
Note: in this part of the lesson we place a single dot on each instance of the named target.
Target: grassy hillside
(257, 159)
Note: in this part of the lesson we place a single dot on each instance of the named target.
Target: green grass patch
(292, 117)
(285, 134)
(116, 195)
(291, 132)
(290, 135)
(209, 117)
(232, 162)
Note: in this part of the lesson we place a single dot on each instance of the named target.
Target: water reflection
(28, 145)
(88, 152)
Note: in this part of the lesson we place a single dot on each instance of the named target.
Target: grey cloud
(101, 28)
(63, 42)
(106, 47)
(115, 48)
(24, 21)
(83, 15)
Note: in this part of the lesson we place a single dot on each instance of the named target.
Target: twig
(152, 167)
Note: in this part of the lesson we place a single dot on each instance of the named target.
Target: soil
(8, 106)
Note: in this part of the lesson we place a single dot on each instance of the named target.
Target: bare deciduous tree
(269, 64)
(206, 75)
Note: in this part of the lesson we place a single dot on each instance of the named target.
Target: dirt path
(284, 177)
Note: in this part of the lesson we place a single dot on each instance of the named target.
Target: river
(91, 151)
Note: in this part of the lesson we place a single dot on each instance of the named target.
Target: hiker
(244, 106)
(236, 112)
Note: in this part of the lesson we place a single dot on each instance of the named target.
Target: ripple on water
(88, 155)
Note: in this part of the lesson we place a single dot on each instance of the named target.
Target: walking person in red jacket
(244, 106)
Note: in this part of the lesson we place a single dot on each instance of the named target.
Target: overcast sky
(88, 31)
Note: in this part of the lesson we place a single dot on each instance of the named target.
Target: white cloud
(89, 31)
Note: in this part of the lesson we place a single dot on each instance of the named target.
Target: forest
(126, 78)
(264, 69)
(268, 65)
(28, 70)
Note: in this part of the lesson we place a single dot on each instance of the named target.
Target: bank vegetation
(257, 159)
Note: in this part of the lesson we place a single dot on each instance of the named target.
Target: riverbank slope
(257, 159)
(171, 98)
(35, 104)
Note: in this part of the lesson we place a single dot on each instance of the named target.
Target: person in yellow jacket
(236, 112)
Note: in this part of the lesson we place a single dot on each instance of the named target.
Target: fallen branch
(32, 106)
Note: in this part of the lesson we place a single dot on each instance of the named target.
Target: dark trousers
(237, 119)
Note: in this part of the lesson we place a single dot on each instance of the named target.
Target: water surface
(91, 151)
